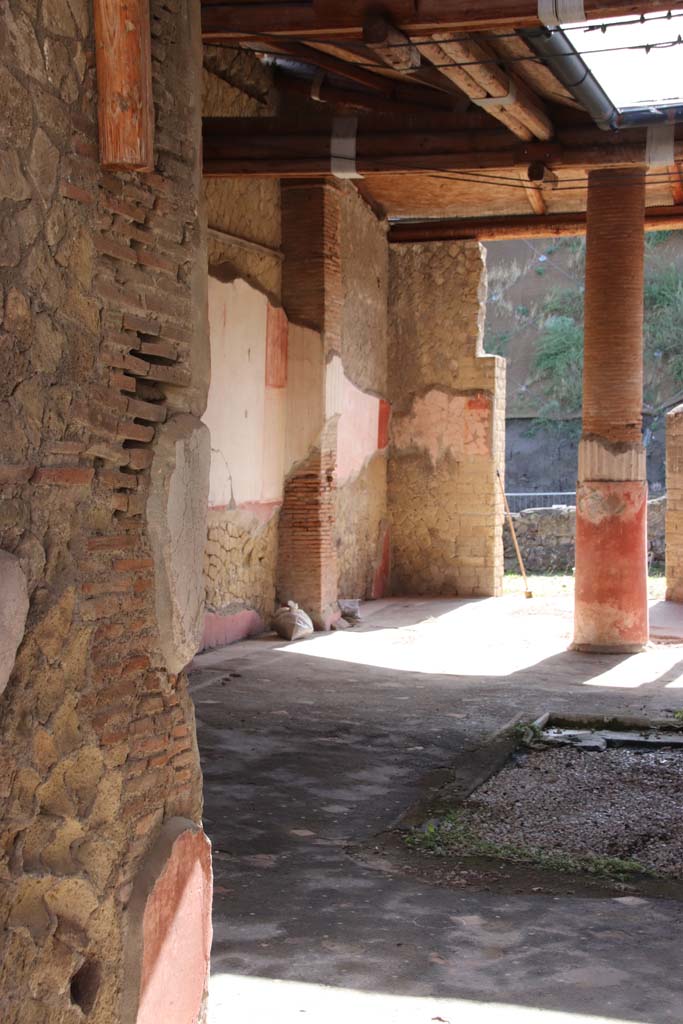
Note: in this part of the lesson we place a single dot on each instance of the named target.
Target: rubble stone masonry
(240, 562)
(103, 335)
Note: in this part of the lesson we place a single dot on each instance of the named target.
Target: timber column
(611, 611)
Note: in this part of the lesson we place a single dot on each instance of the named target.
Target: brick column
(611, 502)
(312, 297)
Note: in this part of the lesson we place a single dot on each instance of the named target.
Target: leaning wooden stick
(527, 592)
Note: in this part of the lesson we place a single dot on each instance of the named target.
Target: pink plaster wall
(358, 431)
(440, 423)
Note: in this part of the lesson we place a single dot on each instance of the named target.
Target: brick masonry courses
(102, 280)
(447, 430)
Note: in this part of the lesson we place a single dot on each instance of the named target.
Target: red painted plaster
(383, 424)
(277, 329)
(176, 935)
(380, 583)
(220, 630)
(611, 565)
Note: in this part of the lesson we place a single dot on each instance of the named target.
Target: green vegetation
(558, 363)
(678, 715)
(653, 239)
(453, 835)
(497, 343)
(527, 732)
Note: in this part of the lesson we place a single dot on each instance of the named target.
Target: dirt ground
(563, 586)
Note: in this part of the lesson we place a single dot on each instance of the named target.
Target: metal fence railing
(521, 500)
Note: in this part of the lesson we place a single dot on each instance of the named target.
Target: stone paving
(312, 747)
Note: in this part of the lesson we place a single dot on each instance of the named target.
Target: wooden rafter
(486, 229)
(350, 99)
(344, 18)
(389, 44)
(124, 84)
(355, 72)
(472, 65)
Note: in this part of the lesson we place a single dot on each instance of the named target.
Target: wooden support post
(533, 194)
(124, 83)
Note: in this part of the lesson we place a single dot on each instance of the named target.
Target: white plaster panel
(334, 387)
(235, 413)
(13, 611)
(273, 454)
(357, 431)
(305, 393)
(176, 519)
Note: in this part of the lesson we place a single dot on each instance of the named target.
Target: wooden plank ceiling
(422, 79)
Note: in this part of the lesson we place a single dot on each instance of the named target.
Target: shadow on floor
(305, 753)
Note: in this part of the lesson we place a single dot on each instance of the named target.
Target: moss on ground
(452, 835)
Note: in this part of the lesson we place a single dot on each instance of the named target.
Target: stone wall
(102, 315)
(361, 517)
(674, 517)
(546, 538)
(447, 432)
(236, 84)
(361, 524)
(365, 294)
(240, 562)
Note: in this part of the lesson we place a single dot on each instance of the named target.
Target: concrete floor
(312, 746)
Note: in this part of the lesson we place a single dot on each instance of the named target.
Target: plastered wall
(247, 418)
(447, 430)
(272, 401)
(361, 451)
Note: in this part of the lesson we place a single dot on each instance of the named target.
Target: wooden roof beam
(344, 18)
(274, 148)
(489, 229)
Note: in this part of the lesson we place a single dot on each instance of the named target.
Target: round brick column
(611, 503)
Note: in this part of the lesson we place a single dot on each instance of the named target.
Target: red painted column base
(611, 612)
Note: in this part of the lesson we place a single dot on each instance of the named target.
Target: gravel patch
(622, 803)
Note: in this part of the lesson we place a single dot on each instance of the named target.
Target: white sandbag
(292, 622)
(350, 609)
